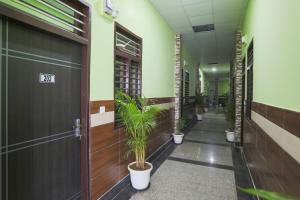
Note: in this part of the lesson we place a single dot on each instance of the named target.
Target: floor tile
(207, 136)
(204, 152)
(181, 181)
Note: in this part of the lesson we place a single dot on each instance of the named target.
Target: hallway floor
(200, 168)
(204, 167)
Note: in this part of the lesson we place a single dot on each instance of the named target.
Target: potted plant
(206, 104)
(178, 136)
(199, 107)
(230, 119)
(138, 120)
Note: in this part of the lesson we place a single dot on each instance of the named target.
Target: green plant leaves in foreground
(266, 194)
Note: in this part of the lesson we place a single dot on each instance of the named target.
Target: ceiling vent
(204, 28)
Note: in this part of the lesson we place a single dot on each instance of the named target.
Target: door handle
(77, 128)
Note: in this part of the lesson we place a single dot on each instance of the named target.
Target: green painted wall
(189, 64)
(223, 87)
(275, 29)
(140, 17)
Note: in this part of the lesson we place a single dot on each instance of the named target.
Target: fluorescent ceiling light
(214, 69)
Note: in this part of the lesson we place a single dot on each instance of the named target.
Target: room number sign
(47, 78)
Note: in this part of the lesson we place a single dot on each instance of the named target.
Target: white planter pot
(230, 136)
(178, 138)
(140, 179)
(199, 117)
(205, 109)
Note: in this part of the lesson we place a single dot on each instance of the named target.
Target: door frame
(27, 19)
(243, 100)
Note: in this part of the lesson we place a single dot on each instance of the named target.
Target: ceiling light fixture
(214, 69)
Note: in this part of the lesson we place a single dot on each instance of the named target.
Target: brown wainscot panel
(271, 167)
(153, 101)
(286, 119)
(104, 170)
(95, 106)
(103, 136)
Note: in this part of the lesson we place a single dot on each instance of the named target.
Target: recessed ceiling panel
(201, 20)
(204, 8)
(186, 2)
(227, 5)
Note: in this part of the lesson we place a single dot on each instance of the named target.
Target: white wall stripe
(102, 118)
(286, 140)
(98, 119)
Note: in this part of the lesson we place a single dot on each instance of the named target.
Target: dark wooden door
(40, 98)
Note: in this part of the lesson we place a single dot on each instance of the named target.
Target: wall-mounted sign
(46, 78)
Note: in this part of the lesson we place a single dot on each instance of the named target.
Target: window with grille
(249, 80)
(128, 69)
(69, 15)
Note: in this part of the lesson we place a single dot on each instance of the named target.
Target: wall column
(238, 85)
(177, 77)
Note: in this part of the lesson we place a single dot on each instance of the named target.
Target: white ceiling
(207, 47)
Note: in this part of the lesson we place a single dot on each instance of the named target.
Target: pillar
(238, 86)
(177, 74)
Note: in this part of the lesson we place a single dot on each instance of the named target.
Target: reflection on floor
(204, 167)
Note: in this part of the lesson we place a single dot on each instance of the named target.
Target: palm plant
(138, 120)
(181, 124)
(230, 114)
(200, 103)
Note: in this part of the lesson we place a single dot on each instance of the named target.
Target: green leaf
(266, 194)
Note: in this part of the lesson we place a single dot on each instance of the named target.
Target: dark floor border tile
(196, 162)
(241, 174)
(207, 142)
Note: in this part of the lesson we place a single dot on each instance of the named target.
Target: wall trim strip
(102, 118)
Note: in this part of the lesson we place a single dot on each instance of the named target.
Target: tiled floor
(184, 181)
(190, 172)
(202, 168)
(204, 152)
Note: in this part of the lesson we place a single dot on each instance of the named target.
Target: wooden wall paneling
(104, 170)
(95, 106)
(153, 101)
(291, 122)
(124, 159)
(103, 136)
(271, 167)
(286, 119)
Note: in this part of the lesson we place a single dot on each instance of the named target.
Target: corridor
(204, 166)
(95, 96)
